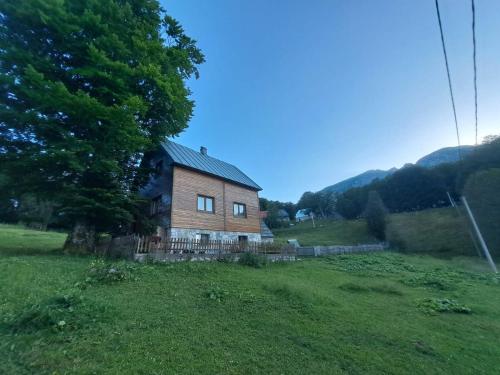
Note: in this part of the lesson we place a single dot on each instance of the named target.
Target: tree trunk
(81, 240)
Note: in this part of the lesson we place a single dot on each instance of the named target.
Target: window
(243, 241)
(204, 238)
(239, 210)
(159, 167)
(205, 204)
(155, 207)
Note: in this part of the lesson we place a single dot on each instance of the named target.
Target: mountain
(441, 156)
(360, 180)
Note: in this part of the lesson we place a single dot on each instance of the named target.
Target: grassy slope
(438, 231)
(346, 314)
(326, 232)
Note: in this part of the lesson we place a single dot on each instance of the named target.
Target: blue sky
(303, 94)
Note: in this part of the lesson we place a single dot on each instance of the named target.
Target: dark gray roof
(186, 157)
(265, 231)
(283, 214)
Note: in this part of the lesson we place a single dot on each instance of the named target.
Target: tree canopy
(87, 87)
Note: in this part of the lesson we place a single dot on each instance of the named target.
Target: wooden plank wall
(251, 223)
(188, 184)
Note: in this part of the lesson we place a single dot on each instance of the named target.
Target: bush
(440, 305)
(375, 213)
(102, 272)
(216, 293)
(252, 260)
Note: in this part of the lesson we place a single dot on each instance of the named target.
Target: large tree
(87, 87)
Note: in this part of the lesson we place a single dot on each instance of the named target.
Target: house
(303, 215)
(283, 215)
(195, 196)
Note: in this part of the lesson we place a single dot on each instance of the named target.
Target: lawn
(326, 232)
(17, 240)
(438, 231)
(358, 314)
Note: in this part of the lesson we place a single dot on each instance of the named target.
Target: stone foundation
(214, 234)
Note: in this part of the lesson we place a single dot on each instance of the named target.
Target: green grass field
(358, 314)
(438, 231)
(326, 232)
(16, 240)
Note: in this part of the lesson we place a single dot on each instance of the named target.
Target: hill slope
(436, 231)
(441, 156)
(360, 180)
(355, 314)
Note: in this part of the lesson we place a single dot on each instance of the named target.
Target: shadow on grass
(30, 251)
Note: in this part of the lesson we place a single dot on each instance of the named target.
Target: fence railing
(133, 246)
(183, 245)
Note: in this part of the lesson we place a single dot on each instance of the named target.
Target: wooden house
(195, 196)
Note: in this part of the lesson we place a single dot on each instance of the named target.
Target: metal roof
(186, 157)
(265, 231)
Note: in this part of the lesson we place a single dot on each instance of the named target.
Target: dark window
(240, 210)
(204, 238)
(155, 205)
(205, 204)
(243, 241)
(159, 167)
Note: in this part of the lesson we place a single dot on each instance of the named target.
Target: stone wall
(214, 235)
(333, 250)
(231, 257)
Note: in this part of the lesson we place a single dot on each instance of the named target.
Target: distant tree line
(272, 208)
(414, 188)
(321, 203)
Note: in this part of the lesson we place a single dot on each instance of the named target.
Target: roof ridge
(190, 158)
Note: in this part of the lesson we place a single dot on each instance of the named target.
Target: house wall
(219, 235)
(187, 185)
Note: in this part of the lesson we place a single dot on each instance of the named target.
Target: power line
(449, 77)
(474, 58)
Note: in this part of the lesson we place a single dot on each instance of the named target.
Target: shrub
(216, 293)
(252, 260)
(102, 272)
(441, 305)
(375, 213)
(432, 280)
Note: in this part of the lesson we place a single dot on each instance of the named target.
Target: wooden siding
(187, 185)
(235, 193)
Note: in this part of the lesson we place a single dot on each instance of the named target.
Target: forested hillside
(416, 188)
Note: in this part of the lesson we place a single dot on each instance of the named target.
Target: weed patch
(103, 272)
(431, 280)
(363, 263)
(443, 305)
(62, 312)
(252, 260)
(216, 293)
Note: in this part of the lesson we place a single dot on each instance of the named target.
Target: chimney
(203, 150)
